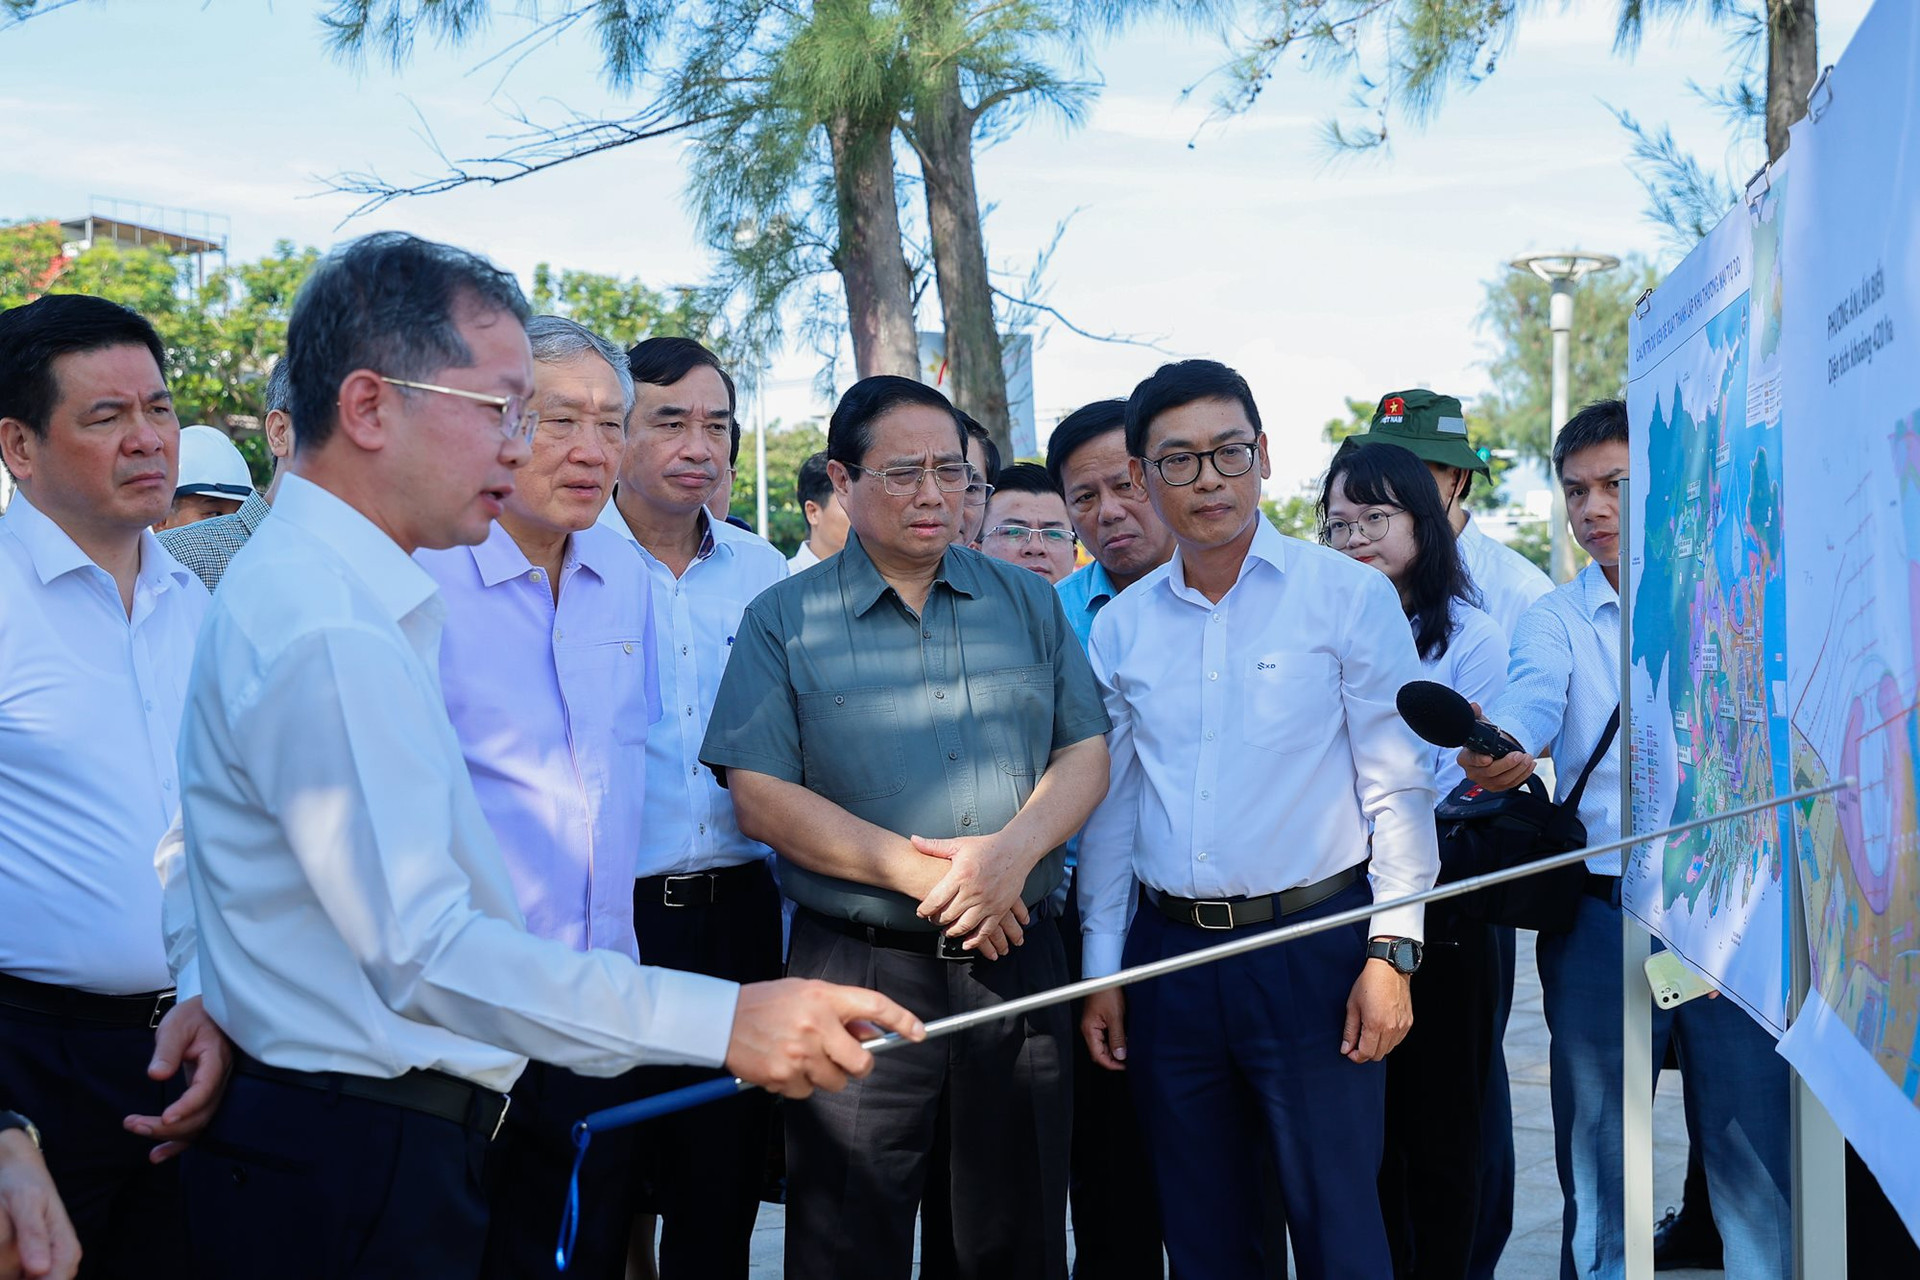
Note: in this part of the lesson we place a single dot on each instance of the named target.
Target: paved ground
(1534, 1251)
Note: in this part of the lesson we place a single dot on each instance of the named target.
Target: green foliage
(787, 448)
(1514, 415)
(1534, 540)
(1359, 418)
(1293, 515)
(625, 311)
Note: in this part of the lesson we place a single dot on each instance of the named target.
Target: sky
(1241, 239)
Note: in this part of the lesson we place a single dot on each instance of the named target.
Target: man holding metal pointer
(358, 933)
(1261, 777)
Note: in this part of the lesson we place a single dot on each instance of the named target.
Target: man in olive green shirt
(916, 732)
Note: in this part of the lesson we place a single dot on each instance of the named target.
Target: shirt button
(966, 820)
(1200, 857)
(703, 828)
(683, 651)
(559, 634)
(926, 635)
(533, 575)
(1213, 675)
(838, 700)
(696, 770)
(1216, 617)
(939, 693)
(1206, 795)
(953, 755)
(689, 710)
(149, 704)
(167, 785)
(1209, 735)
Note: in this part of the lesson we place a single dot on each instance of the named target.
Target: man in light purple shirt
(548, 666)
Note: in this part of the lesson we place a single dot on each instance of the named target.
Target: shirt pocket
(1292, 701)
(1015, 705)
(850, 745)
(613, 682)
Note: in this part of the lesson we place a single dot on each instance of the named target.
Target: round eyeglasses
(1183, 468)
(1373, 523)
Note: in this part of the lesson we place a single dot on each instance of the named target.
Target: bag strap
(1572, 802)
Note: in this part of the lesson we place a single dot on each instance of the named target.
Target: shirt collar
(1268, 546)
(710, 541)
(1097, 584)
(500, 559)
(400, 585)
(55, 554)
(1596, 593)
(864, 586)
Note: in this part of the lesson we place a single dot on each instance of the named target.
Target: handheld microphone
(1444, 718)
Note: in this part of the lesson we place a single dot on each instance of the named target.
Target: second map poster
(1709, 614)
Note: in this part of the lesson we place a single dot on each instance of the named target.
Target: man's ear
(17, 443)
(842, 479)
(364, 399)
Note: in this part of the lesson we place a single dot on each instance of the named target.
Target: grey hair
(280, 387)
(556, 338)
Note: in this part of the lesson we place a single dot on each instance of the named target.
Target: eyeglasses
(904, 482)
(1339, 533)
(517, 419)
(1183, 468)
(1021, 535)
(978, 492)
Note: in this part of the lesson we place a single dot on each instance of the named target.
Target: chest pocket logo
(1292, 701)
(850, 747)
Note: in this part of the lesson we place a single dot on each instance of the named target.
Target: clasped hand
(979, 897)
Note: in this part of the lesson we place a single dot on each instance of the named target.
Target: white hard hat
(210, 464)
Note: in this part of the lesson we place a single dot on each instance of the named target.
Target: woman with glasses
(1380, 506)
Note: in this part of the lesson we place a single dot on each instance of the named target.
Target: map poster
(1709, 670)
(1851, 337)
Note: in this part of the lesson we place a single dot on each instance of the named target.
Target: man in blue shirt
(1087, 459)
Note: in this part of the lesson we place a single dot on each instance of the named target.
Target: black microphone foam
(1444, 718)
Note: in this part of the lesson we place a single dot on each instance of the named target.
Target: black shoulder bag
(1483, 831)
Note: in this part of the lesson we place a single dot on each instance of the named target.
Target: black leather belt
(144, 1010)
(933, 942)
(1605, 888)
(698, 888)
(1236, 913)
(433, 1093)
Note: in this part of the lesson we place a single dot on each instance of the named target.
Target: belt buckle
(666, 891)
(162, 1004)
(1197, 915)
(500, 1121)
(952, 948)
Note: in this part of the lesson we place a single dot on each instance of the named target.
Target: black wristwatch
(14, 1120)
(1402, 953)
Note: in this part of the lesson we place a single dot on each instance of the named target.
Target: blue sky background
(1317, 278)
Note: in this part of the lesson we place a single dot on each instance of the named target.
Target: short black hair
(971, 425)
(1025, 477)
(850, 429)
(1599, 423)
(386, 302)
(1389, 475)
(661, 362)
(32, 337)
(280, 387)
(1083, 426)
(1181, 383)
(813, 484)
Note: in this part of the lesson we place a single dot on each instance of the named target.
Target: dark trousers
(857, 1161)
(1116, 1216)
(1495, 1221)
(528, 1171)
(300, 1184)
(1436, 1084)
(701, 1170)
(77, 1081)
(1245, 1051)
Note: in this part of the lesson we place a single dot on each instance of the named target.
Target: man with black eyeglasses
(913, 728)
(1269, 782)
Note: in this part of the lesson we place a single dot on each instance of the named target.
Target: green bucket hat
(1431, 427)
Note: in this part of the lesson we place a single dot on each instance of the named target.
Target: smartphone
(1673, 980)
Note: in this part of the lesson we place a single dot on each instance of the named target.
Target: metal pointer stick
(719, 1087)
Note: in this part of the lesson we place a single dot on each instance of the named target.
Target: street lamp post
(1561, 271)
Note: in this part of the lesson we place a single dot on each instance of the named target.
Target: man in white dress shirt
(551, 680)
(704, 900)
(97, 627)
(826, 518)
(1245, 780)
(1563, 684)
(358, 930)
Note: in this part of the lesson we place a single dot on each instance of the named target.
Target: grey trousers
(1000, 1095)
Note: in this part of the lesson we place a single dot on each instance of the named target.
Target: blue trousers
(1739, 1086)
(1227, 1056)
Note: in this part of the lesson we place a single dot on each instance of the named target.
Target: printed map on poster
(1709, 613)
(1851, 338)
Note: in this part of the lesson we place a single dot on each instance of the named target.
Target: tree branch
(1122, 339)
